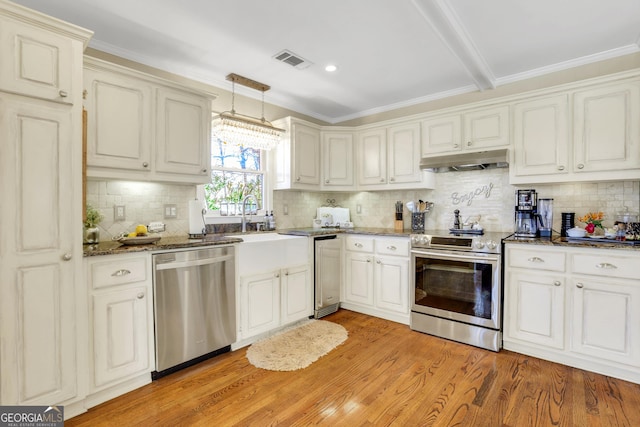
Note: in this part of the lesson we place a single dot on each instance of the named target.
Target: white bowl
(576, 232)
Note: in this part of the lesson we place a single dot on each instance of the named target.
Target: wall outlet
(358, 208)
(285, 209)
(119, 213)
(170, 211)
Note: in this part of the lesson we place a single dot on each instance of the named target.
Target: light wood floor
(384, 374)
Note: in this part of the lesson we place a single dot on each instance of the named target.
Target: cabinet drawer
(606, 265)
(536, 259)
(398, 247)
(120, 272)
(359, 244)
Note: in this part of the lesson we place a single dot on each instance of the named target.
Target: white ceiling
(390, 53)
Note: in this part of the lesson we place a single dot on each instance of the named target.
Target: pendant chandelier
(246, 131)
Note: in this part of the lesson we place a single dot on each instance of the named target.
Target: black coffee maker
(526, 216)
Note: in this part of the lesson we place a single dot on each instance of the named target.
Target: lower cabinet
(577, 306)
(376, 278)
(120, 324)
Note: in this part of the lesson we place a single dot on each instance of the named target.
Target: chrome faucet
(244, 210)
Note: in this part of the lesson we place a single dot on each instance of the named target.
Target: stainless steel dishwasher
(194, 306)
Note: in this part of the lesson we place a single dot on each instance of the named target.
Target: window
(235, 173)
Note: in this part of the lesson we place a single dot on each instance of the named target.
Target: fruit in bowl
(141, 230)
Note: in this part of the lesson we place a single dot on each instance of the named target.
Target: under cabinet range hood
(466, 161)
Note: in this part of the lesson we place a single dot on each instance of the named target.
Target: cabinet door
(541, 136)
(306, 154)
(119, 121)
(606, 319)
(297, 294)
(260, 303)
(607, 129)
(120, 334)
(337, 159)
(534, 309)
(41, 254)
(392, 283)
(441, 134)
(36, 62)
(404, 154)
(372, 157)
(359, 278)
(183, 133)
(486, 128)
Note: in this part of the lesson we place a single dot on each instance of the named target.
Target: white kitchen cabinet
(338, 160)
(297, 156)
(121, 322)
(389, 158)
(41, 302)
(377, 276)
(144, 128)
(297, 295)
(606, 134)
(472, 130)
(260, 303)
(573, 305)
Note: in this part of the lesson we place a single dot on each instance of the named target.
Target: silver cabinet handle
(606, 266)
(120, 273)
(391, 248)
(63, 94)
(580, 166)
(557, 283)
(357, 245)
(579, 285)
(535, 259)
(140, 295)
(67, 257)
(145, 165)
(560, 168)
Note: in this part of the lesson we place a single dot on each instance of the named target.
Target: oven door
(460, 286)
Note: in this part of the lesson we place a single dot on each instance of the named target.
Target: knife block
(398, 225)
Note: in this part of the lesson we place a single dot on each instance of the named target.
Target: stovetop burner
(488, 242)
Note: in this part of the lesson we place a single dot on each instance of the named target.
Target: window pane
(233, 157)
(233, 187)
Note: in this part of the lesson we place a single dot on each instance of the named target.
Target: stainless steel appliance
(457, 285)
(194, 306)
(526, 217)
(328, 258)
(545, 217)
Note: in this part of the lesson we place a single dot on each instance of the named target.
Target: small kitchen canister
(417, 221)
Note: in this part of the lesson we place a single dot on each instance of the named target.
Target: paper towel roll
(196, 222)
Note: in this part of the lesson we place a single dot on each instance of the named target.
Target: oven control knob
(479, 244)
(491, 244)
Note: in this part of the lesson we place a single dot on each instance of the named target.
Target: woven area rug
(298, 347)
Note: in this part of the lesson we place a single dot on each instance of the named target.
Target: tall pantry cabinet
(40, 209)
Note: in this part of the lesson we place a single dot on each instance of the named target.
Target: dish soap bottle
(272, 221)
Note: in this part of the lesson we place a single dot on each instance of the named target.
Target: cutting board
(339, 215)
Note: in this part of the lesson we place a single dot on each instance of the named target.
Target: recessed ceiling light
(330, 68)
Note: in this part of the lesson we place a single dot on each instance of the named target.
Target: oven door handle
(454, 257)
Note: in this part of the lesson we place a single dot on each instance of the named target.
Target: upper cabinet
(142, 128)
(338, 160)
(297, 157)
(599, 141)
(470, 130)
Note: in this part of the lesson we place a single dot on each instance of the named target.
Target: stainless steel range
(458, 287)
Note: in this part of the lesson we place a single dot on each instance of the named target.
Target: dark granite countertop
(312, 232)
(179, 242)
(556, 240)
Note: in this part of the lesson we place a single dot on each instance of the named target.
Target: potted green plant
(91, 221)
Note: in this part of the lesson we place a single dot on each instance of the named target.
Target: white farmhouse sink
(265, 237)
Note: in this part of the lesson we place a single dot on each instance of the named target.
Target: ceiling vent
(296, 61)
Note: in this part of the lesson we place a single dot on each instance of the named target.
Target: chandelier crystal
(246, 131)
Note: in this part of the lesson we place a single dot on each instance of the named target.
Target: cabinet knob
(63, 94)
(469, 143)
(377, 261)
(140, 295)
(560, 168)
(368, 259)
(326, 181)
(286, 273)
(204, 170)
(535, 259)
(557, 283)
(120, 273)
(381, 179)
(277, 275)
(579, 285)
(456, 145)
(298, 178)
(145, 165)
(67, 257)
(392, 179)
(580, 166)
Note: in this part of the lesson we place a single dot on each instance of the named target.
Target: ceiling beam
(446, 23)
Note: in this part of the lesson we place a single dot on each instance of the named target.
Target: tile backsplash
(486, 194)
